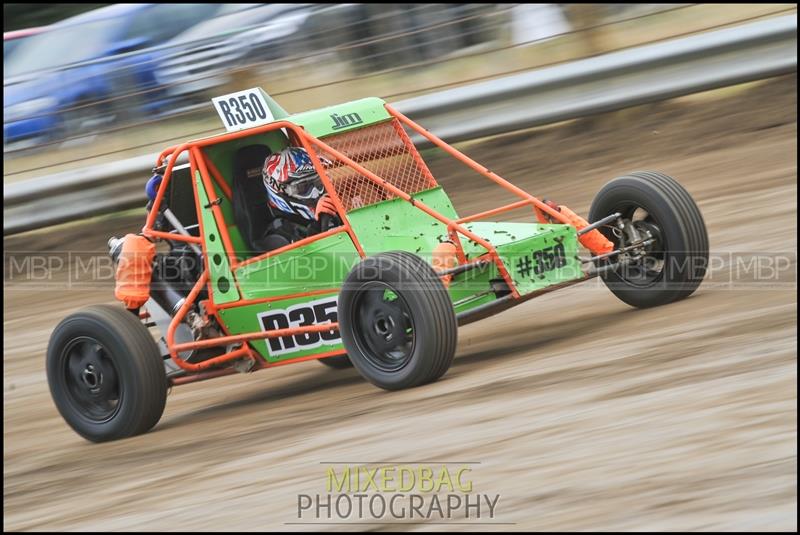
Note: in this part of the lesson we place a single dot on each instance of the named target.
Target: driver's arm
(325, 206)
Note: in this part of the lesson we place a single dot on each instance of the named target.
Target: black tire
(337, 363)
(423, 266)
(397, 298)
(106, 374)
(677, 261)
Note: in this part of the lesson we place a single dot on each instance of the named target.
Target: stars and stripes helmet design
(292, 182)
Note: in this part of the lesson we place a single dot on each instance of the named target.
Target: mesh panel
(386, 150)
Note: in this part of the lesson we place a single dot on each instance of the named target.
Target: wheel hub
(650, 230)
(92, 378)
(642, 265)
(386, 328)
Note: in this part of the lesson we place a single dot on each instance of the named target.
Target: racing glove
(325, 206)
(325, 214)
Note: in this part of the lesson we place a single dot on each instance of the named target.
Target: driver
(297, 198)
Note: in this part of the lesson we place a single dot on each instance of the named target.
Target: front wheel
(654, 208)
(397, 321)
(106, 374)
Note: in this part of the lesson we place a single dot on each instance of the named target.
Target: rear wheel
(397, 321)
(106, 374)
(654, 207)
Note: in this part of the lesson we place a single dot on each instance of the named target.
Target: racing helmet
(292, 183)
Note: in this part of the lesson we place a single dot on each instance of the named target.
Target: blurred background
(90, 83)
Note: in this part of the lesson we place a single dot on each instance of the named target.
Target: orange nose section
(134, 271)
(593, 240)
(444, 257)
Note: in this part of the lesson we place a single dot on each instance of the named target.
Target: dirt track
(583, 413)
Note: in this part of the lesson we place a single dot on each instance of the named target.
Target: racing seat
(251, 209)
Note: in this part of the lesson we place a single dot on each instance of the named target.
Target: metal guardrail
(608, 82)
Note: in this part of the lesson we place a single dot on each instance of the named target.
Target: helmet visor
(306, 188)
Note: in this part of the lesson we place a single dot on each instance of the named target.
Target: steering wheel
(328, 221)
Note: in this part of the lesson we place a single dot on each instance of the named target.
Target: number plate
(316, 312)
(243, 109)
(541, 261)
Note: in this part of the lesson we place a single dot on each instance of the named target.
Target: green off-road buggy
(385, 289)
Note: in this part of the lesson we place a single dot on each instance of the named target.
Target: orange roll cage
(209, 172)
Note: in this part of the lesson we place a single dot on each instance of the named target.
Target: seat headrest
(248, 161)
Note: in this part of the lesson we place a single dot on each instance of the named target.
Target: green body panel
(318, 266)
(342, 117)
(517, 245)
(251, 318)
(520, 260)
(220, 276)
(397, 225)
